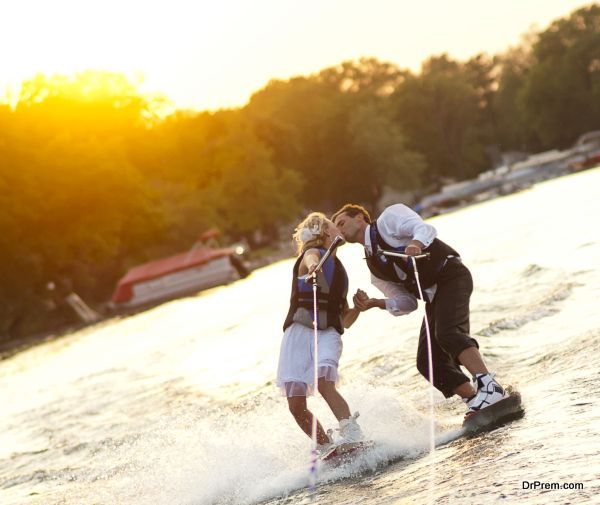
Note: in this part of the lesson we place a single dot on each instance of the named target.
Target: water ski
(490, 417)
(343, 453)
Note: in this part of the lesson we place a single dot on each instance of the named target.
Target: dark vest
(332, 289)
(429, 268)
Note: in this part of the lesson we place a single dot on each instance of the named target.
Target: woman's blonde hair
(310, 232)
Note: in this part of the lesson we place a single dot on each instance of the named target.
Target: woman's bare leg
(334, 399)
(304, 417)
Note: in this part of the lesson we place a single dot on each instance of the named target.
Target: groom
(446, 284)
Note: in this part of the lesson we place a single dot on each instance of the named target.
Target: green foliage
(561, 96)
(378, 155)
(334, 129)
(215, 171)
(445, 112)
(512, 131)
(74, 206)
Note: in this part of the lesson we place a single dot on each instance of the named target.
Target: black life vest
(332, 289)
(429, 268)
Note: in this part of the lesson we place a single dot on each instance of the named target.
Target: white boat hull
(214, 273)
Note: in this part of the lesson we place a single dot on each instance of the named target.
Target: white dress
(295, 373)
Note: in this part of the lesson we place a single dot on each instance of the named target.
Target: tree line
(94, 180)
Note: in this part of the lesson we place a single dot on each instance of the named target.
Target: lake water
(176, 405)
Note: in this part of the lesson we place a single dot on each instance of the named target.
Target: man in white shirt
(446, 285)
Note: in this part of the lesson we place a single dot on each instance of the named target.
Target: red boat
(199, 268)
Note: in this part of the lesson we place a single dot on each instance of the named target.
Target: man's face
(332, 230)
(351, 228)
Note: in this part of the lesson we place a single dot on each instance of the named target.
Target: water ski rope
(427, 331)
(429, 365)
(313, 454)
(429, 360)
(313, 460)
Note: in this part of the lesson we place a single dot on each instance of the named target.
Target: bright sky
(206, 54)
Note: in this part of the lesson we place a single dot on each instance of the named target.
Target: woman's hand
(362, 301)
(310, 261)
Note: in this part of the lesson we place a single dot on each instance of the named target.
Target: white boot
(350, 430)
(488, 393)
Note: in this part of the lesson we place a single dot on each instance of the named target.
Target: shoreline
(13, 346)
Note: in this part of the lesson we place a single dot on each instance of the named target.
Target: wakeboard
(495, 415)
(345, 452)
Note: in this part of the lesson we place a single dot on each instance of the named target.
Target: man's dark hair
(352, 210)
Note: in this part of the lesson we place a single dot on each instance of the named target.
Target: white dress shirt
(398, 225)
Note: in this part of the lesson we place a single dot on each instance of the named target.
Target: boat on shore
(203, 266)
(502, 180)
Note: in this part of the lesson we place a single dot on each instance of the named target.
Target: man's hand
(414, 248)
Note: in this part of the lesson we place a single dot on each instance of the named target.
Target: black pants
(448, 317)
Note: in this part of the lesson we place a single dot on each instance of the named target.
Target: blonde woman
(295, 374)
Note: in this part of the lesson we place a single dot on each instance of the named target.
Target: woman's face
(332, 231)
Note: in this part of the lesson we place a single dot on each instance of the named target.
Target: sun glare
(205, 54)
(148, 42)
